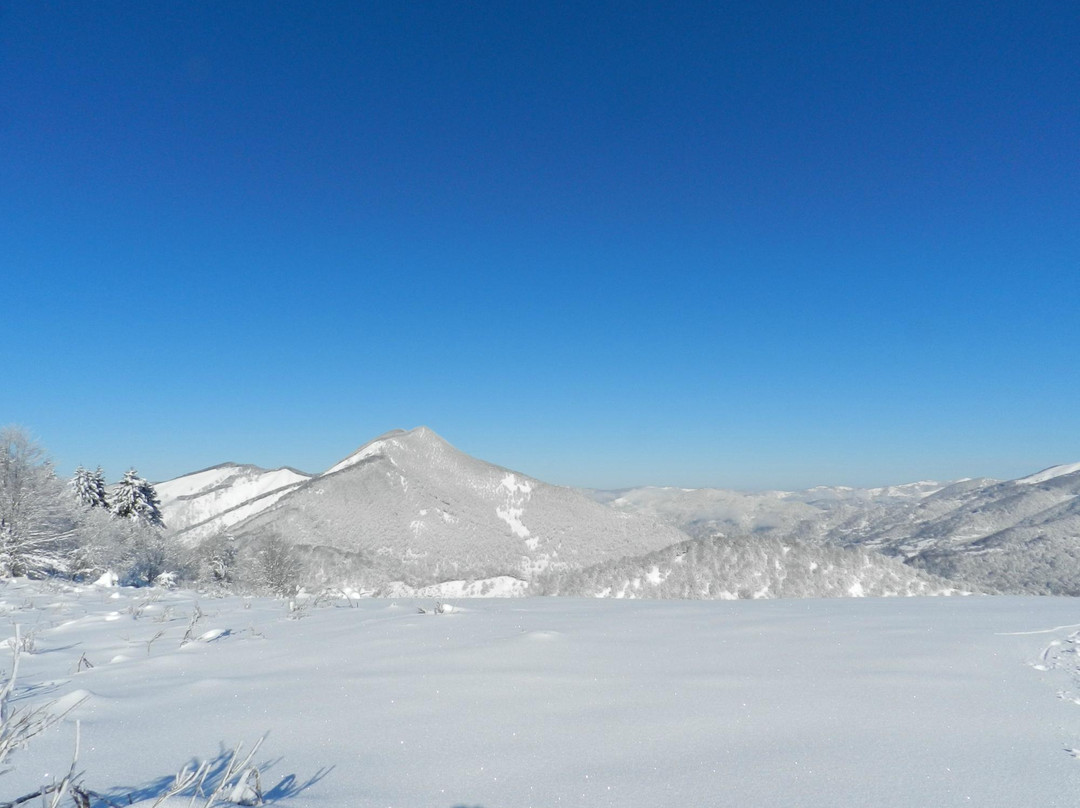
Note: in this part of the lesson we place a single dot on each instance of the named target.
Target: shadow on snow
(289, 786)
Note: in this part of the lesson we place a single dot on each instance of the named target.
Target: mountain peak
(415, 440)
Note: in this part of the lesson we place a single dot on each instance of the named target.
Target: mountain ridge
(198, 504)
(409, 506)
(1017, 536)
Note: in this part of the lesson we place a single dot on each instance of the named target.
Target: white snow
(501, 586)
(195, 483)
(375, 447)
(220, 489)
(510, 483)
(224, 495)
(917, 490)
(237, 514)
(517, 494)
(546, 702)
(1049, 474)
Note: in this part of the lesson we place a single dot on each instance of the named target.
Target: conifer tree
(89, 488)
(136, 499)
(150, 505)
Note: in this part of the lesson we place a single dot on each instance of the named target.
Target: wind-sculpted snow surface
(892, 703)
(410, 506)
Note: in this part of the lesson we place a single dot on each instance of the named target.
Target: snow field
(558, 702)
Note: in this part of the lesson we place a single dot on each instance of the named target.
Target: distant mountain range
(1019, 536)
(807, 515)
(407, 512)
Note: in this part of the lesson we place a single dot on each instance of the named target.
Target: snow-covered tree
(37, 519)
(148, 559)
(141, 552)
(135, 498)
(217, 558)
(89, 487)
(276, 566)
(125, 499)
(138, 553)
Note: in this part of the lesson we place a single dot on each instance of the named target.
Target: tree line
(49, 526)
(84, 528)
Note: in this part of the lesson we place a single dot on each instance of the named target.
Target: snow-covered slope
(196, 503)
(1049, 474)
(1016, 536)
(413, 506)
(750, 567)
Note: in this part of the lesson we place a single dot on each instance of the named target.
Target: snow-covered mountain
(808, 514)
(1016, 536)
(413, 507)
(409, 507)
(206, 502)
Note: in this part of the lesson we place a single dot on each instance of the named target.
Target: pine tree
(80, 484)
(89, 487)
(101, 496)
(136, 499)
(150, 505)
(125, 497)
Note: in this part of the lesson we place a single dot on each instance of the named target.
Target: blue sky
(749, 245)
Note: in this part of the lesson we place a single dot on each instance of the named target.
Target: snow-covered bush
(138, 553)
(146, 559)
(275, 566)
(217, 560)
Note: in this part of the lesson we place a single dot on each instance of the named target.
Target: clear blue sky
(768, 244)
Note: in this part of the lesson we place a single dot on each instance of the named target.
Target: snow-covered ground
(552, 702)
